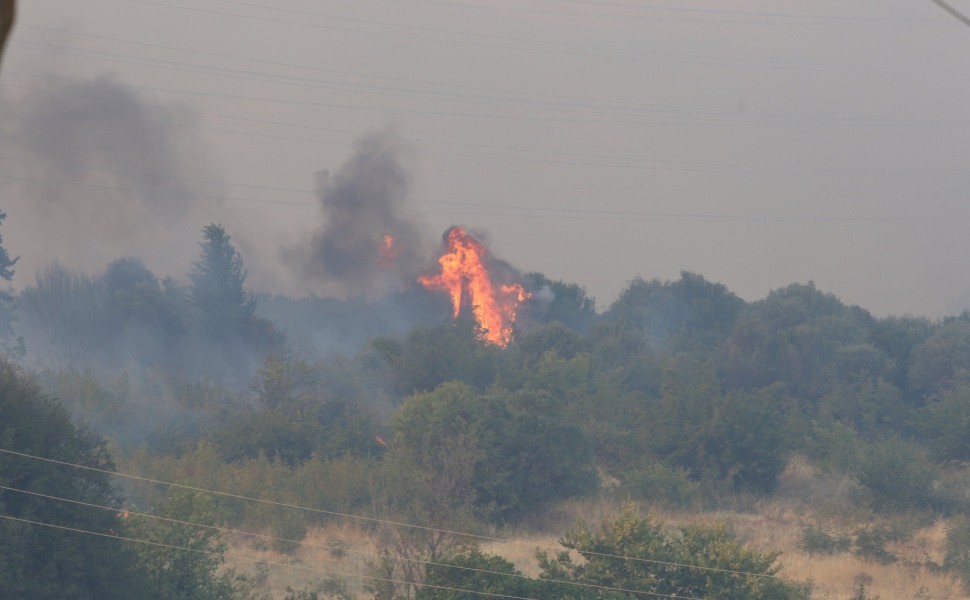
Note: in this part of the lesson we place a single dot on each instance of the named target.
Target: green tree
(739, 437)
(472, 569)
(945, 422)
(634, 557)
(64, 314)
(428, 356)
(183, 561)
(897, 337)
(217, 283)
(557, 301)
(43, 562)
(938, 361)
(6, 274)
(537, 457)
(6, 263)
(438, 439)
(517, 451)
(697, 311)
(793, 336)
(897, 476)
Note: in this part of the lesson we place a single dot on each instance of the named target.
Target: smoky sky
(101, 173)
(755, 144)
(366, 199)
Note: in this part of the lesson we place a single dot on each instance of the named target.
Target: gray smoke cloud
(367, 199)
(90, 171)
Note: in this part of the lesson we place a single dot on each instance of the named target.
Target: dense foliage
(629, 557)
(679, 392)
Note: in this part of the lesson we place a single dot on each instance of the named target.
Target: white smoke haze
(544, 295)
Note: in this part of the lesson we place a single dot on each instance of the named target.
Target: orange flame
(464, 275)
(388, 251)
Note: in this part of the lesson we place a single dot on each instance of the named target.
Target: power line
(419, 561)
(771, 19)
(643, 7)
(586, 101)
(525, 211)
(460, 34)
(129, 512)
(681, 9)
(722, 118)
(381, 521)
(714, 117)
(263, 561)
(453, 42)
(626, 162)
(251, 499)
(719, 61)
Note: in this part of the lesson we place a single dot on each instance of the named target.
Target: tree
(793, 336)
(6, 274)
(472, 569)
(738, 436)
(43, 562)
(558, 301)
(431, 355)
(6, 263)
(428, 472)
(945, 422)
(634, 557)
(232, 341)
(182, 561)
(897, 475)
(693, 308)
(217, 283)
(937, 362)
(512, 452)
(537, 457)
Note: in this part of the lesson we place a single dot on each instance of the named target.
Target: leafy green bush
(957, 557)
(704, 561)
(870, 544)
(897, 475)
(816, 540)
(662, 484)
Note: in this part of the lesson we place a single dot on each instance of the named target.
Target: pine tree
(6, 273)
(217, 284)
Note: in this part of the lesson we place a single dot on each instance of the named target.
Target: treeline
(679, 393)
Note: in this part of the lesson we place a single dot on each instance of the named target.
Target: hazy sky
(756, 142)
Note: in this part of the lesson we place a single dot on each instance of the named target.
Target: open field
(770, 526)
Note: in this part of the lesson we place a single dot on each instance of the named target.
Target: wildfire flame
(465, 277)
(388, 251)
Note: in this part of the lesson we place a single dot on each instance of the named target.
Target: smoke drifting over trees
(102, 173)
(367, 199)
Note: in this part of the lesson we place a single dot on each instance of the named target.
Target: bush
(871, 545)
(957, 558)
(897, 476)
(816, 540)
(663, 484)
(704, 561)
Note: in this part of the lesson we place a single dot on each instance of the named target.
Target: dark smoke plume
(101, 173)
(366, 200)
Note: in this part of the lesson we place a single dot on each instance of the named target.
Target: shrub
(870, 544)
(816, 540)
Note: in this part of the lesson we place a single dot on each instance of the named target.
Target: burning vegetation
(465, 276)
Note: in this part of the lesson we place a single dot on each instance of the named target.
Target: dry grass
(335, 553)
(777, 525)
(776, 529)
